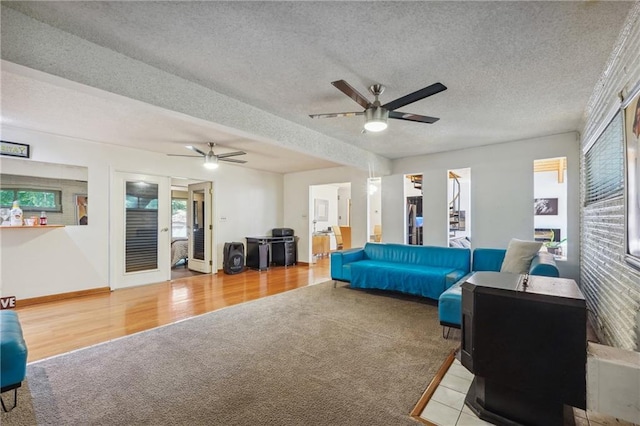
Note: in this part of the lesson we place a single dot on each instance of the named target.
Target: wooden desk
(320, 245)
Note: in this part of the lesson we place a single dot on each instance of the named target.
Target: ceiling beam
(33, 44)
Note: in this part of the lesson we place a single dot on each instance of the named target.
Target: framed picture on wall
(82, 203)
(545, 207)
(321, 210)
(632, 164)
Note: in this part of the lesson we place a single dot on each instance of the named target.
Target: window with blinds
(604, 164)
(141, 245)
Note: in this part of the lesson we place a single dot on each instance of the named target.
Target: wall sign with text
(13, 149)
(8, 302)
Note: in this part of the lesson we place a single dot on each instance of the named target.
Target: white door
(141, 219)
(199, 227)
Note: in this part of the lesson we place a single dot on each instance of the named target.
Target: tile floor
(446, 407)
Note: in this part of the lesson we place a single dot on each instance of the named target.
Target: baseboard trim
(21, 303)
(428, 393)
(271, 266)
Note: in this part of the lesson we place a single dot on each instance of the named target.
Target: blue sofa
(13, 355)
(487, 259)
(420, 270)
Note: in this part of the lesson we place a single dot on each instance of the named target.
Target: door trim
(117, 277)
(201, 265)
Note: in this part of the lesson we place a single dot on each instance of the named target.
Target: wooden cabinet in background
(320, 245)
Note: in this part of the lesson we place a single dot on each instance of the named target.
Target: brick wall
(611, 286)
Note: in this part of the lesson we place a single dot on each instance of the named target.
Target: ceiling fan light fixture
(211, 162)
(376, 119)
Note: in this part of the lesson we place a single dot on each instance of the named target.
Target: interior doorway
(192, 230)
(413, 209)
(329, 219)
(550, 205)
(200, 227)
(459, 207)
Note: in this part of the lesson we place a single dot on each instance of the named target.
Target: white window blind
(604, 164)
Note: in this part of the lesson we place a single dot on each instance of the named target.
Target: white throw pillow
(519, 256)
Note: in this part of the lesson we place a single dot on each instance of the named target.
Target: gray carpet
(312, 356)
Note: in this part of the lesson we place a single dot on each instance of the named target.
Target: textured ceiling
(38, 101)
(514, 70)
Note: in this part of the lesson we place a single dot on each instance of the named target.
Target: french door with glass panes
(140, 218)
(199, 227)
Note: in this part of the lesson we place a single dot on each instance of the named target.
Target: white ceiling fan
(210, 159)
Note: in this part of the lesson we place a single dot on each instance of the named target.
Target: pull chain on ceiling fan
(375, 113)
(210, 159)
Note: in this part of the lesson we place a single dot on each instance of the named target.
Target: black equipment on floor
(233, 258)
(258, 253)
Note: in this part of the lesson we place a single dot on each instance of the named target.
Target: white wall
(501, 193)
(43, 262)
(297, 206)
(394, 209)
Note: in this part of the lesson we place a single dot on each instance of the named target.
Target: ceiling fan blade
(231, 160)
(193, 148)
(415, 96)
(180, 155)
(412, 117)
(336, 114)
(230, 154)
(345, 88)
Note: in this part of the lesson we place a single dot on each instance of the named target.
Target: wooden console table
(321, 245)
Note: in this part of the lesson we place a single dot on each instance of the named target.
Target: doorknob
(164, 230)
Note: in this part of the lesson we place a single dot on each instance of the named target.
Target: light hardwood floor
(57, 327)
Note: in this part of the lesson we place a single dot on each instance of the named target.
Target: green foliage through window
(32, 199)
(178, 204)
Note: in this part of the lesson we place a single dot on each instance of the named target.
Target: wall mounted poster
(321, 210)
(545, 207)
(632, 138)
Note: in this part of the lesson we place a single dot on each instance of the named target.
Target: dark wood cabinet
(284, 253)
(262, 251)
(524, 338)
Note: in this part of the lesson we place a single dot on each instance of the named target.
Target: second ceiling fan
(211, 159)
(375, 113)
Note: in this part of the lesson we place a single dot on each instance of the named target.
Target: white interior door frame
(200, 233)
